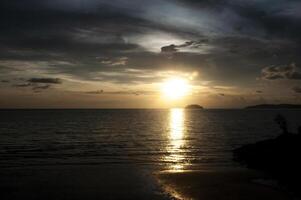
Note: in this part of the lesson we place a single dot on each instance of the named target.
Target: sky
(117, 54)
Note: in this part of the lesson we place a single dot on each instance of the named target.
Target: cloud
(4, 81)
(123, 42)
(95, 92)
(23, 85)
(41, 87)
(37, 84)
(169, 49)
(297, 89)
(281, 72)
(122, 92)
(119, 61)
(45, 80)
(174, 48)
(34, 86)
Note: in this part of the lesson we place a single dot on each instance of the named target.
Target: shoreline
(215, 184)
(133, 182)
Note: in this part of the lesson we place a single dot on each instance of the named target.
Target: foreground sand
(219, 185)
(80, 182)
(122, 182)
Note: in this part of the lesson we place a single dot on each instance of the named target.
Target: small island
(194, 107)
(275, 106)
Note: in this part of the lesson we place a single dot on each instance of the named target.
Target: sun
(175, 88)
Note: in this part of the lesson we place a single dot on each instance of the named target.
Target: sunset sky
(119, 54)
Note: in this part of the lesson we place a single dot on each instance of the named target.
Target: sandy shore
(220, 185)
(76, 182)
(114, 182)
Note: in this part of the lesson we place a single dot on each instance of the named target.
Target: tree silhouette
(281, 121)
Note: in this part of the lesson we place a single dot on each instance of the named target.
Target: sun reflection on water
(176, 139)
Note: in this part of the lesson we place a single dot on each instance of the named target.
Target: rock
(279, 157)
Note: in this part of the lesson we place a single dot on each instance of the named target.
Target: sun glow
(175, 88)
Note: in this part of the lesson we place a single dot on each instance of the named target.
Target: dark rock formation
(279, 157)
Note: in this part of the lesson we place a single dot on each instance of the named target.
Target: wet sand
(220, 185)
(86, 182)
(114, 182)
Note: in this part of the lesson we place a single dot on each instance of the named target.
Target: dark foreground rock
(280, 157)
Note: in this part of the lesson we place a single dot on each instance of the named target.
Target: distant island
(194, 106)
(275, 106)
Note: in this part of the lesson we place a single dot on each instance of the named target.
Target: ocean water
(172, 139)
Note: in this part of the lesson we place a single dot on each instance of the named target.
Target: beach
(231, 184)
(79, 182)
(121, 182)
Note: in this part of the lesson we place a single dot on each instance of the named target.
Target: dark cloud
(174, 48)
(121, 92)
(119, 61)
(227, 42)
(41, 87)
(281, 72)
(45, 80)
(297, 89)
(169, 49)
(37, 84)
(95, 92)
(23, 85)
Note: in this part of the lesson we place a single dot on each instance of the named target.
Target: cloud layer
(117, 45)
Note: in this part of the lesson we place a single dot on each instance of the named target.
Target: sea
(123, 142)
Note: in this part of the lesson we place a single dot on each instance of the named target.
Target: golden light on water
(176, 124)
(176, 138)
(175, 88)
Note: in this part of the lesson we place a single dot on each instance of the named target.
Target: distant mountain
(275, 106)
(194, 106)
